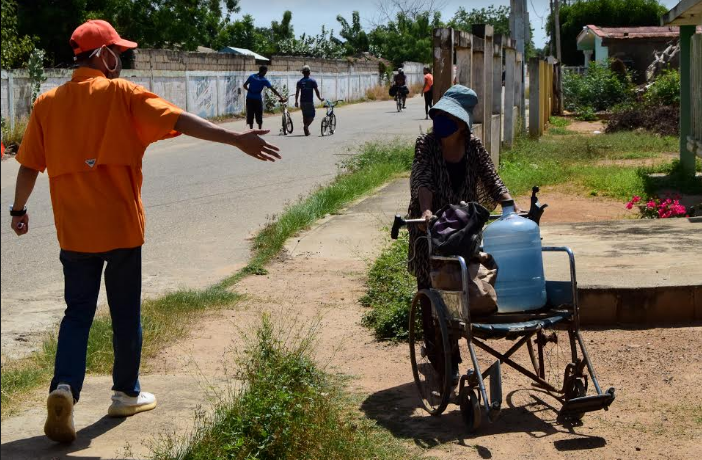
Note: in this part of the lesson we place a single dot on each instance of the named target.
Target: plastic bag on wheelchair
(482, 274)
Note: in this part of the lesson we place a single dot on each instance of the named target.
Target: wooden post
(485, 31)
(534, 97)
(510, 83)
(479, 83)
(443, 61)
(463, 44)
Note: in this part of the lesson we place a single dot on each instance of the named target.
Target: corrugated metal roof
(635, 32)
(244, 51)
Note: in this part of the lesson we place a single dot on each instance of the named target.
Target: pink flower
(651, 204)
(636, 199)
(629, 205)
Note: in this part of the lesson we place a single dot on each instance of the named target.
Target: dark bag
(393, 91)
(457, 230)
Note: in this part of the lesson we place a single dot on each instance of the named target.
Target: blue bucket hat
(458, 101)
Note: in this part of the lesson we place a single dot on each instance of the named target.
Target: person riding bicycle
(400, 86)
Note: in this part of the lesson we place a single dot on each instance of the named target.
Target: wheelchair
(558, 362)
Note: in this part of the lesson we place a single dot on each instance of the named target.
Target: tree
(15, 47)
(496, 17)
(180, 24)
(605, 13)
(405, 38)
(320, 46)
(356, 38)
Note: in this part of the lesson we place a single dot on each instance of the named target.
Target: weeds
(15, 134)
(288, 409)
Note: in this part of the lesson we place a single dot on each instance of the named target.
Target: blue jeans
(82, 273)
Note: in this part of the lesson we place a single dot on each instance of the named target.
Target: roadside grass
(287, 408)
(389, 292)
(14, 135)
(374, 166)
(560, 122)
(378, 93)
(163, 320)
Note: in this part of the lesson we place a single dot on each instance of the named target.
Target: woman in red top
(428, 89)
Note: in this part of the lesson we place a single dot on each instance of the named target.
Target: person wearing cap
(427, 91)
(450, 165)
(90, 135)
(254, 87)
(400, 85)
(307, 86)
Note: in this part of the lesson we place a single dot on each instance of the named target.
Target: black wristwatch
(14, 213)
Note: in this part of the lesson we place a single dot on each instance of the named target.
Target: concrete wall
(639, 53)
(152, 59)
(206, 93)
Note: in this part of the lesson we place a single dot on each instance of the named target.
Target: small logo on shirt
(90, 162)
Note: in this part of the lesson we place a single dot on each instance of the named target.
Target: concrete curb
(651, 306)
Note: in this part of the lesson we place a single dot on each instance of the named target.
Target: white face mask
(112, 72)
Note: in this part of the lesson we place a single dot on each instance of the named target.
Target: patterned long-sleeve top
(481, 184)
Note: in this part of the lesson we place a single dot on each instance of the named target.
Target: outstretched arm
(248, 142)
(316, 90)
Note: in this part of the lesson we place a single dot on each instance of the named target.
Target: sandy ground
(315, 287)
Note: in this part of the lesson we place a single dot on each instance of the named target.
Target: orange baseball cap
(96, 33)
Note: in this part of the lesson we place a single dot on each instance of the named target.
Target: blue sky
(309, 15)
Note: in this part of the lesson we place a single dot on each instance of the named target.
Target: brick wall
(151, 59)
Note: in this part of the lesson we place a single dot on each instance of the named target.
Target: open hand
(252, 144)
(20, 224)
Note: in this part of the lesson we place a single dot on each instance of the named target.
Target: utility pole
(519, 31)
(559, 80)
(557, 20)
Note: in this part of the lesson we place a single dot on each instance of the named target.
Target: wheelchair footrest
(584, 404)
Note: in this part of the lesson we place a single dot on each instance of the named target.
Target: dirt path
(656, 372)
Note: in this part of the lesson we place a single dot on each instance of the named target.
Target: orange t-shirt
(90, 134)
(428, 82)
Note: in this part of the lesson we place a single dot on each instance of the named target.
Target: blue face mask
(444, 126)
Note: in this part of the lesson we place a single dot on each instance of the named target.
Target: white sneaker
(125, 406)
(59, 419)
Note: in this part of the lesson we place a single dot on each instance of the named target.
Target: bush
(13, 136)
(585, 114)
(665, 90)
(663, 120)
(600, 88)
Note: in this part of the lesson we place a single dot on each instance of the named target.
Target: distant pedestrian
(307, 86)
(428, 91)
(90, 135)
(254, 87)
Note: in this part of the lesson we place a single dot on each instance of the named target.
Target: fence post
(443, 61)
(478, 77)
(486, 32)
(510, 83)
(463, 43)
(519, 94)
(497, 100)
(534, 97)
(11, 98)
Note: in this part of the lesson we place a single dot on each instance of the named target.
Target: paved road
(203, 201)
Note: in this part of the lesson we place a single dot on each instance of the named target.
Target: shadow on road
(42, 448)
(399, 410)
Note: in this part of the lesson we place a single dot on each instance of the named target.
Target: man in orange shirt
(90, 135)
(428, 89)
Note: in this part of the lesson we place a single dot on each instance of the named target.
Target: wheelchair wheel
(430, 353)
(551, 353)
(470, 409)
(288, 123)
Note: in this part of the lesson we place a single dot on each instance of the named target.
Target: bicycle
(287, 119)
(398, 101)
(329, 120)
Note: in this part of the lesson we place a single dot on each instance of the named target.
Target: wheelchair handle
(400, 222)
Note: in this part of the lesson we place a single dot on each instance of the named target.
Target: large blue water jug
(515, 243)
